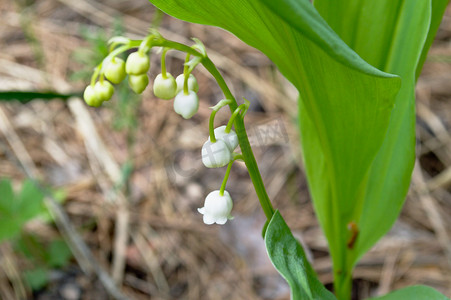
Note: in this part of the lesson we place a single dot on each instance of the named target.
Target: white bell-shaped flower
(231, 139)
(186, 105)
(164, 88)
(216, 155)
(217, 208)
(192, 83)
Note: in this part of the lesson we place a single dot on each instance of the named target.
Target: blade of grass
(28, 96)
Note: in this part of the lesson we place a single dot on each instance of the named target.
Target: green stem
(95, 75)
(232, 118)
(342, 285)
(186, 74)
(245, 146)
(226, 176)
(185, 84)
(211, 123)
(163, 63)
(211, 126)
(186, 67)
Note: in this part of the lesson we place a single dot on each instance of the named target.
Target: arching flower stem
(155, 39)
(226, 176)
(211, 124)
(186, 73)
(163, 63)
(241, 108)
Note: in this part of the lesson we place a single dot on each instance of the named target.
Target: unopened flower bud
(217, 208)
(216, 155)
(192, 83)
(137, 63)
(165, 88)
(104, 90)
(90, 97)
(138, 83)
(115, 70)
(231, 139)
(186, 105)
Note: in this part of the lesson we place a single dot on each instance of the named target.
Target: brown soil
(148, 234)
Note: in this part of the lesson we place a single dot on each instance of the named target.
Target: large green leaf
(390, 35)
(289, 259)
(417, 292)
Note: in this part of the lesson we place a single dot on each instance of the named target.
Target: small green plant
(42, 258)
(355, 69)
(16, 209)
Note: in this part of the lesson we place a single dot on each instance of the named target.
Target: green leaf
(10, 227)
(28, 96)
(390, 47)
(37, 278)
(58, 254)
(29, 201)
(289, 259)
(6, 196)
(15, 211)
(417, 292)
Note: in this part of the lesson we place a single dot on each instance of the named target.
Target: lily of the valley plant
(355, 64)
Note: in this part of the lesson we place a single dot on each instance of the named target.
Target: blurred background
(115, 212)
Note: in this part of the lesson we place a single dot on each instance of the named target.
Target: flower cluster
(114, 70)
(218, 150)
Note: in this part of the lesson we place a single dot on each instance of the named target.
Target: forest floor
(132, 178)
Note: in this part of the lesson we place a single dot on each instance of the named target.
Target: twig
(95, 145)
(151, 262)
(10, 268)
(388, 272)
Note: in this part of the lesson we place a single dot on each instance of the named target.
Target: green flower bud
(104, 90)
(164, 88)
(186, 105)
(90, 97)
(192, 83)
(138, 83)
(137, 64)
(115, 70)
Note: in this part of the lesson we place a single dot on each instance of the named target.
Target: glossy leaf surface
(289, 259)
